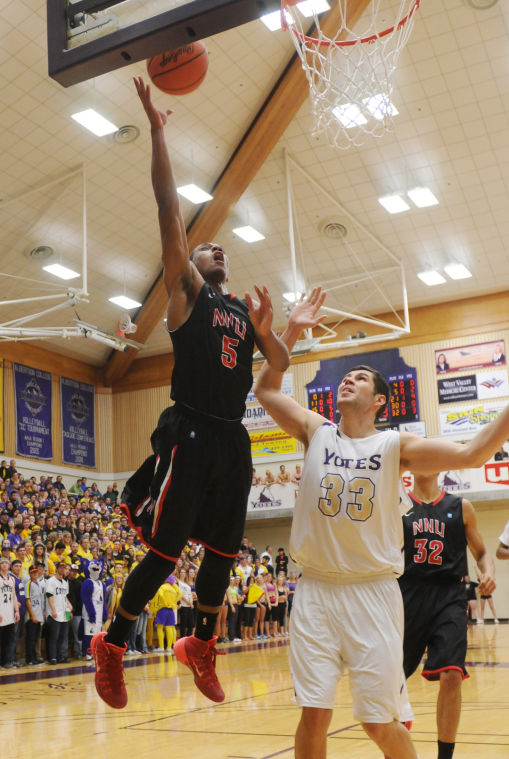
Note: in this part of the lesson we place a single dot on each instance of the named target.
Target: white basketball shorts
(358, 627)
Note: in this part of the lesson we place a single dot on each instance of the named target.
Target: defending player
(437, 530)
(346, 535)
(197, 482)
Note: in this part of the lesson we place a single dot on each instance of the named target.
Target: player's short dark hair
(380, 383)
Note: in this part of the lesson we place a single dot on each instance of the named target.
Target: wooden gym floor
(54, 712)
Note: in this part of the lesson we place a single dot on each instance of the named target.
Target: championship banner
(78, 422)
(272, 497)
(270, 443)
(32, 389)
(470, 419)
(2, 438)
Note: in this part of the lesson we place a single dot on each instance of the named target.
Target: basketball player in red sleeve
(196, 483)
(346, 536)
(437, 530)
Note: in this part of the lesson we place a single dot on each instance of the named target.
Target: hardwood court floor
(54, 712)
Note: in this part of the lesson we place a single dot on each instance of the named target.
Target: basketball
(179, 71)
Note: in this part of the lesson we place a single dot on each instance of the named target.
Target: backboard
(87, 38)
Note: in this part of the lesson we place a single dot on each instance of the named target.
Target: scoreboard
(403, 404)
(323, 401)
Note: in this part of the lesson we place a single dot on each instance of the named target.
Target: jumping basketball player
(346, 535)
(437, 530)
(197, 482)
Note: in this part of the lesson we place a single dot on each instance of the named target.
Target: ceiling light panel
(248, 233)
(94, 122)
(124, 302)
(394, 203)
(457, 271)
(422, 197)
(61, 271)
(431, 278)
(193, 193)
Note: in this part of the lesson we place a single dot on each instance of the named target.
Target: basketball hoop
(125, 326)
(350, 73)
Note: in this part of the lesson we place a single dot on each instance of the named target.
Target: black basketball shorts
(436, 620)
(195, 485)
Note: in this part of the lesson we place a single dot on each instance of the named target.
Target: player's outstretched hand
(305, 312)
(158, 119)
(260, 312)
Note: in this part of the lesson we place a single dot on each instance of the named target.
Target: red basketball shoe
(200, 657)
(109, 672)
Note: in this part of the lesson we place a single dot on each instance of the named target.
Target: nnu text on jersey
(225, 319)
(429, 525)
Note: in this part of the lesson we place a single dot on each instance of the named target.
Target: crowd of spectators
(50, 535)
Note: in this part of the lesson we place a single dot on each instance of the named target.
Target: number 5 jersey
(347, 521)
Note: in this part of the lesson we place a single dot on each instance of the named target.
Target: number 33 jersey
(435, 541)
(347, 522)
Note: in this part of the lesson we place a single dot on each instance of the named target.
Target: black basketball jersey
(213, 353)
(435, 541)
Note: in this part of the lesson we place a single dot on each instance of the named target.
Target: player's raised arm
(478, 550)
(270, 345)
(428, 456)
(289, 415)
(175, 253)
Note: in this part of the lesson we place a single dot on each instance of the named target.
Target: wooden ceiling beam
(264, 133)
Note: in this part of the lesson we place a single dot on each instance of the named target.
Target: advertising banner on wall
(458, 420)
(271, 442)
(470, 357)
(479, 386)
(32, 389)
(78, 422)
(255, 417)
(264, 497)
(286, 388)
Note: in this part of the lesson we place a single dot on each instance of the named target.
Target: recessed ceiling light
(292, 297)
(394, 203)
(193, 193)
(457, 271)
(61, 271)
(308, 7)
(248, 233)
(273, 20)
(349, 115)
(124, 302)
(93, 121)
(431, 278)
(422, 197)
(380, 106)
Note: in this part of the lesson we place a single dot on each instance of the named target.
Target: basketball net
(350, 73)
(125, 326)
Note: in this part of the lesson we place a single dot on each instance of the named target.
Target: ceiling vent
(126, 134)
(40, 253)
(333, 230)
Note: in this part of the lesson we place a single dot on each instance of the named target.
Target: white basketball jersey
(347, 523)
(7, 591)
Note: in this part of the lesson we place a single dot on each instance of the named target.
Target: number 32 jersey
(347, 521)
(435, 541)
